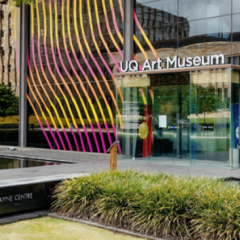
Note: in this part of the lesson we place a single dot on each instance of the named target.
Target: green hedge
(155, 204)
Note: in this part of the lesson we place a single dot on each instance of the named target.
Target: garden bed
(158, 205)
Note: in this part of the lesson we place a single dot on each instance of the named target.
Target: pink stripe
(79, 65)
(55, 62)
(49, 143)
(109, 52)
(75, 140)
(90, 69)
(60, 137)
(114, 20)
(102, 138)
(140, 66)
(107, 67)
(48, 64)
(55, 140)
(99, 69)
(81, 139)
(95, 137)
(119, 50)
(108, 133)
(68, 141)
(88, 140)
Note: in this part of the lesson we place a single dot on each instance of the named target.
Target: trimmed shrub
(155, 204)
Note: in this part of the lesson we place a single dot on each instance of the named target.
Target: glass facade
(75, 50)
(189, 117)
(186, 28)
(78, 99)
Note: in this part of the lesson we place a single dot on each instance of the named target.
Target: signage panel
(172, 63)
(162, 121)
(22, 198)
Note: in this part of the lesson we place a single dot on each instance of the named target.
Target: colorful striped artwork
(74, 53)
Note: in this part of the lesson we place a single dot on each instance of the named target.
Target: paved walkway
(89, 163)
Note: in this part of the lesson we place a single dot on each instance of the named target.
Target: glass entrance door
(170, 110)
(179, 117)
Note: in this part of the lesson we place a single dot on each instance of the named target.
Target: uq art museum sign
(172, 63)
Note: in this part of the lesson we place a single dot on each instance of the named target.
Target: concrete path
(90, 162)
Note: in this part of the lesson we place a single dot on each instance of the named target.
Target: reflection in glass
(159, 22)
(236, 39)
(171, 100)
(9, 75)
(236, 6)
(209, 115)
(192, 10)
(9, 119)
(9, 163)
(206, 37)
(180, 117)
(168, 6)
(235, 120)
(208, 30)
(135, 135)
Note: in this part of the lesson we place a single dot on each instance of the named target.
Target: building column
(24, 33)
(128, 149)
(128, 30)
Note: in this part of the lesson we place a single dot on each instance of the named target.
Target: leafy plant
(155, 204)
(8, 102)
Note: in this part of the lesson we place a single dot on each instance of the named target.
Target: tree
(8, 102)
(11, 3)
(18, 2)
(203, 100)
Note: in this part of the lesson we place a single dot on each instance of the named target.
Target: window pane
(156, 26)
(236, 6)
(9, 75)
(236, 27)
(204, 8)
(210, 93)
(169, 6)
(236, 39)
(206, 37)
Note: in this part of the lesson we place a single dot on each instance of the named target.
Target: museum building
(161, 77)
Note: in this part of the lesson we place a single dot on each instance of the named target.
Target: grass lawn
(55, 229)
